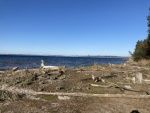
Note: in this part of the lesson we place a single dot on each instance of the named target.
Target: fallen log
(15, 68)
(102, 86)
(96, 79)
(109, 76)
(124, 88)
(31, 92)
(128, 89)
(48, 67)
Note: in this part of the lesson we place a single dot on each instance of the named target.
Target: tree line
(142, 48)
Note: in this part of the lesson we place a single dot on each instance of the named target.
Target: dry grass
(76, 80)
(144, 62)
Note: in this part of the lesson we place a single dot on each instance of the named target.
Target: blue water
(23, 61)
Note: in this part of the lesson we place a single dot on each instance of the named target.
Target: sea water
(30, 61)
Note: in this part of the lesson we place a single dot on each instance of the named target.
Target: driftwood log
(15, 68)
(48, 67)
(102, 86)
(122, 88)
(96, 79)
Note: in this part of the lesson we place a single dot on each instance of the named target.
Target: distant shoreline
(88, 56)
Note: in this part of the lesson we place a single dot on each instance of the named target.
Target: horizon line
(66, 55)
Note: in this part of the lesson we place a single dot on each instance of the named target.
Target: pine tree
(142, 49)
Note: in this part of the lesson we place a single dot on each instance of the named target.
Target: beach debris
(102, 86)
(127, 87)
(15, 68)
(64, 98)
(96, 78)
(146, 81)
(132, 79)
(138, 78)
(124, 65)
(2, 72)
(110, 76)
(48, 67)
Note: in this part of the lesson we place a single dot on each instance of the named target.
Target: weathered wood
(109, 76)
(123, 88)
(102, 86)
(48, 67)
(31, 92)
(15, 68)
(146, 81)
(128, 89)
(138, 78)
(95, 78)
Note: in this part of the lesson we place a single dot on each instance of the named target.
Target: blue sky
(72, 27)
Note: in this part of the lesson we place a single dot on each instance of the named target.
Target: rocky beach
(112, 88)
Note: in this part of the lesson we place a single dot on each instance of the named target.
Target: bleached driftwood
(15, 68)
(128, 89)
(124, 87)
(109, 76)
(131, 79)
(96, 79)
(138, 78)
(146, 81)
(102, 86)
(31, 92)
(2, 72)
(48, 67)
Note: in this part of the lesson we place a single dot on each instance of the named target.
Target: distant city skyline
(72, 27)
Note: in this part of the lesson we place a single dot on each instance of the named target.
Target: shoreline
(105, 85)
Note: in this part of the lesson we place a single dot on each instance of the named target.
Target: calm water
(9, 61)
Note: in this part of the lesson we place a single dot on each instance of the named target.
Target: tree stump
(138, 78)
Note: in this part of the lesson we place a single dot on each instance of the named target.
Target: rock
(138, 78)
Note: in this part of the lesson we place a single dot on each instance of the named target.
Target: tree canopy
(142, 48)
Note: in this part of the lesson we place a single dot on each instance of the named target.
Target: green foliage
(142, 49)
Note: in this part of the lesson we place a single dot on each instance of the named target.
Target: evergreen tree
(142, 49)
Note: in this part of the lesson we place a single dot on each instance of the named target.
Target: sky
(72, 27)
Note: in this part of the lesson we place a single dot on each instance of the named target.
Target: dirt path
(31, 92)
